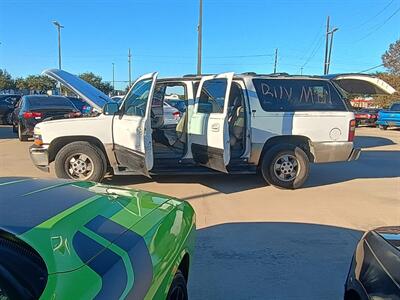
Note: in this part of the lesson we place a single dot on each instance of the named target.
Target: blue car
(389, 118)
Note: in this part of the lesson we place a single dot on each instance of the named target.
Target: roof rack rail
(196, 75)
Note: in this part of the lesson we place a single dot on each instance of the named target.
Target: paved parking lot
(258, 242)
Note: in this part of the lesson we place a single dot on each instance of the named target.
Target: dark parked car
(366, 116)
(375, 268)
(33, 109)
(80, 104)
(7, 105)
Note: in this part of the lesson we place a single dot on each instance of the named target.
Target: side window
(175, 95)
(136, 101)
(212, 96)
(290, 95)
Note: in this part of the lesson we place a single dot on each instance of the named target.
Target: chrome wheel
(286, 167)
(80, 166)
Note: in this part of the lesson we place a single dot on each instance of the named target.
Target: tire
(178, 289)
(294, 170)
(87, 161)
(383, 127)
(21, 137)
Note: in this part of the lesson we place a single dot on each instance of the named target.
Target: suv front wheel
(285, 166)
(80, 161)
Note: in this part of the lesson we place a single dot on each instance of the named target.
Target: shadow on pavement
(284, 261)
(371, 141)
(371, 164)
(222, 183)
(7, 133)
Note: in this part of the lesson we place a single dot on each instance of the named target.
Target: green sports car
(82, 240)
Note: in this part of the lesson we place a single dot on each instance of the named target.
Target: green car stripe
(117, 250)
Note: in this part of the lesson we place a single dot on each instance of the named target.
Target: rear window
(290, 95)
(49, 102)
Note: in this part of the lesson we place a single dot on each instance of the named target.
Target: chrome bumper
(40, 157)
(334, 151)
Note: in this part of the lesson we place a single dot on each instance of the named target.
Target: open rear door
(361, 84)
(132, 131)
(208, 127)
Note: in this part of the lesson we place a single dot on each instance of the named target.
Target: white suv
(273, 124)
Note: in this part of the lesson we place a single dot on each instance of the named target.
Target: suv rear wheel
(285, 166)
(80, 161)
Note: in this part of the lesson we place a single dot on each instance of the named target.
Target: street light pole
(59, 26)
(330, 49)
(113, 75)
(326, 46)
(200, 38)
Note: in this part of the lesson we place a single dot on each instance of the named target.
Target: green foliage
(391, 58)
(38, 83)
(386, 100)
(97, 82)
(6, 81)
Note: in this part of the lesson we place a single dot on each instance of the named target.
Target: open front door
(132, 131)
(208, 127)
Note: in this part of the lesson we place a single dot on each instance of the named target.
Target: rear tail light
(176, 115)
(31, 114)
(352, 130)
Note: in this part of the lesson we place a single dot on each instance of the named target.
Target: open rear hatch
(361, 84)
(92, 96)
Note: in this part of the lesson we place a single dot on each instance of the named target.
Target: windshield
(136, 101)
(395, 107)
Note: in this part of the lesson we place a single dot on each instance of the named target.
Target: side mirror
(111, 108)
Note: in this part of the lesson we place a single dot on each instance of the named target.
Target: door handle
(215, 127)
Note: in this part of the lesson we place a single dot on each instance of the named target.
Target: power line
(376, 28)
(372, 18)
(378, 66)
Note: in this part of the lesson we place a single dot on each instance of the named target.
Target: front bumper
(334, 151)
(40, 157)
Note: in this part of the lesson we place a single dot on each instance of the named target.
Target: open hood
(361, 84)
(95, 98)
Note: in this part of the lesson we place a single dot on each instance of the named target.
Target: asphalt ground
(258, 242)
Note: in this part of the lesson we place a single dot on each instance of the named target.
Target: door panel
(132, 131)
(208, 127)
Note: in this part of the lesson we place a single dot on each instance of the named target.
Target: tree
(386, 100)
(38, 83)
(391, 58)
(97, 82)
(6, 81)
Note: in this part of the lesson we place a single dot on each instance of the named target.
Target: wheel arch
(58, 143)
(184, 266)
(301, 141)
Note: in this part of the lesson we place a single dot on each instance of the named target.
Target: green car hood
(48, 214)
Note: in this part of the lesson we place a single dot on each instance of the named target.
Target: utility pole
(200, 38)
(59, 26)
(113, 75)
(276, 59)
(129, 67)
(326, 46)
(301, 71)
(330, 49)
